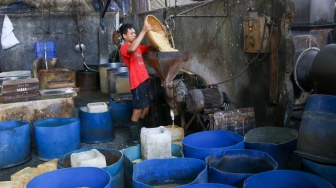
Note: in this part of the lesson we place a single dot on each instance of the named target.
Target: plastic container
(318, 129)
(279, 142)
(55, 137)
(327, 172)
(286, 178)
(114, 164)
(73, 177)
(50, 48)
(15, 143)
(169, 172)
(121, 112)
(133, 154)
(95, 127)
(155, 143)
(176, 132)
(97, 107)
(92, 158)
(209, 143)
(234, 166)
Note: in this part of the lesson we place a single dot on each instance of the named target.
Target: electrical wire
(256, 57)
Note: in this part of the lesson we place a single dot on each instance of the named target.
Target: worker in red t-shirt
(131, 53)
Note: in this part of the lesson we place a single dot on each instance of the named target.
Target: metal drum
(73, 177)
(95, 127)
(122, 82)
(111, 77)
(208, 143)
(114, 162)
(87, 80)
(103, 74)
(318, 129)
(15, 143)
(235, 166)
(55, 137)
(169, 172)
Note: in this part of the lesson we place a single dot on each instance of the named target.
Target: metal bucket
(235, 166)
(103, 74)
(286, 178)
(279, 142)
(111, 77)
(73, 177)
(169, 172)
(121, 112)
(122, 82)
(95, 127)
(318, 129)
(114, 162)
(87, 80)
(327, 172)
(208, 143)
(55, 137)
(133, 153)
(15, 143)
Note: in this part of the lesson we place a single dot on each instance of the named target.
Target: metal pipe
(195, 7)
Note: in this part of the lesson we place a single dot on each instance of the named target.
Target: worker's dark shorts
(141, 95)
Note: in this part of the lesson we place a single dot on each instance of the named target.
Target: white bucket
(155, 143)
(91, 158)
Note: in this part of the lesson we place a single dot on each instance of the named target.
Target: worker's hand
(147, 27)
(164, 27)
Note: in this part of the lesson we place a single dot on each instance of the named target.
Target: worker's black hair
(124, 27)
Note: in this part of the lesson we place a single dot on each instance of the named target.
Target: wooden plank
(274, 69)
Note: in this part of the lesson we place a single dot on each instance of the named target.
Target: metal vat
(103, 74)
(87, 80)
(111, 77)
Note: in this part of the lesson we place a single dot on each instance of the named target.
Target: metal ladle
(80, 48)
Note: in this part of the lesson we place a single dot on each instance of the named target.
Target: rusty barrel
(318, 129)
(87, 80)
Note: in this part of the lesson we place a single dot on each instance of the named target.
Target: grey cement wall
(21, 56)
(215, 46)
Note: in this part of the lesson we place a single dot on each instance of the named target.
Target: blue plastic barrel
(73, 177)
(327, 172)
(208, 143)
(169, 172)
(318, 129)
(14, 143)
(286, 178)
(235, 166)
(95, 127)
(134, 153)
(205, 185)
(279, 142)
(121, 112)
(55, 137)
(114, 162)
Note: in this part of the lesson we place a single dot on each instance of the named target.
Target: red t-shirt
(135, 64)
